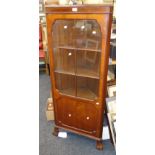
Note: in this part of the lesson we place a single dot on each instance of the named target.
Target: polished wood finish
(97, 9)
(79, 73)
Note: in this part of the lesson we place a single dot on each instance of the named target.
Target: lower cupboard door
(77, 115)
(86, 117)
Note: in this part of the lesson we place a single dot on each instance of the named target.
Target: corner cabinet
(78, 43)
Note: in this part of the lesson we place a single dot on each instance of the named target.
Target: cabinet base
(99, 145)
(55, 131)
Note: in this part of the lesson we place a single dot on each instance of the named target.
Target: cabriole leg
(99, 145)
(56, 131)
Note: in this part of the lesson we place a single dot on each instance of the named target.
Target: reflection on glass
(94, 32)
(65, 27)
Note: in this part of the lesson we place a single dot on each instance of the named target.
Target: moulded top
(75, 9)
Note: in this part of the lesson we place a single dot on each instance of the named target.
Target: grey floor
(73, 144)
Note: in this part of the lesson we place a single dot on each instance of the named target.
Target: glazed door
(77, 56)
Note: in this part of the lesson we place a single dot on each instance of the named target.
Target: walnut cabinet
(78, 43)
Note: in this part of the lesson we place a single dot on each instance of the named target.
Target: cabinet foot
(55, 131)
(99, 145)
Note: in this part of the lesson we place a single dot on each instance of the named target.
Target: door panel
(66, 111)
(86, 116)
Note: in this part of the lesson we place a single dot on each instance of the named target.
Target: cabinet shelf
(69, 91)
(87, 73)
(81, 93)
(79, 49)
(65, 72)
(86, 93)
(81, 72)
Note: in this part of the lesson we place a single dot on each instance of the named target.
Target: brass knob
(69, 54)
(87, 118)
(65, 27)
(97, 103)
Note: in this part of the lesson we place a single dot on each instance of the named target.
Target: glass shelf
(81, 73)
(78, 49)
(81, 92)
(87, 73)
(65, 72)
(69, 91)
(86, 93)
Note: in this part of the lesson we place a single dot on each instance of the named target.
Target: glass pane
(87, 88)
(64, 61)
(64, 58)
(73, 34)
(87, 35)
(88, 57)
(65, 83)
(88, 64)
(62, 33)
